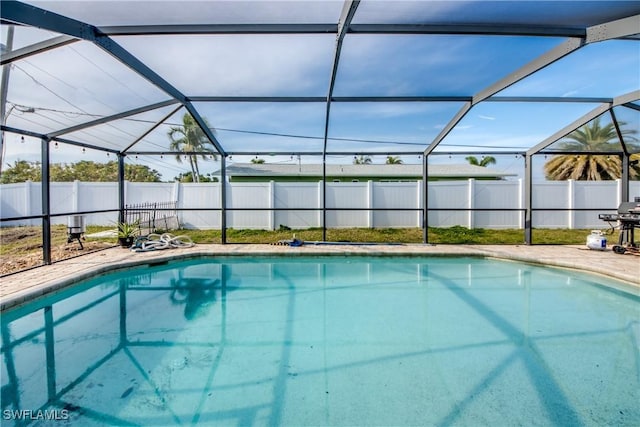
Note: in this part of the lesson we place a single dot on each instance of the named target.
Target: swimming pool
(327, 341)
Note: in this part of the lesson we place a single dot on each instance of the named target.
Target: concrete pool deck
(20, 287)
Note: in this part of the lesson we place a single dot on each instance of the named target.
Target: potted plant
(127, 233)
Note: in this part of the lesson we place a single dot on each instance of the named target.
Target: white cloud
(246, 65)
(78, 78)
(481, 116)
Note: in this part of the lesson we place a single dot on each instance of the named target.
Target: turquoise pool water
(327, 341)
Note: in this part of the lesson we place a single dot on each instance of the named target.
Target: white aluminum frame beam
(464, 98)
(34, 49)
(118, 116)
(621, 28)
(462, 29)
(152, 128)
(182, 29)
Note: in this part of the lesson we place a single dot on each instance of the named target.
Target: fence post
(520, 203)
(424, 223)
(370, 204)
(471, 203)
(76, 196)
(571, 197)
(419, 213)
(175, 197)
(272, 205)
(175, 192)
(27, 200)
(528, 199)
(619, 193)
(320, 204)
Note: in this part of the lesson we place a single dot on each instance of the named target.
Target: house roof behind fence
(365, 171)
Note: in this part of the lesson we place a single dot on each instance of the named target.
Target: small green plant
(127, 232)
(128, 229)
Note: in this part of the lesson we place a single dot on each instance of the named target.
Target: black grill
(628, 217)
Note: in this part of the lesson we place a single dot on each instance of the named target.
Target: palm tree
(590, 138)
(488, 160)
(190, 138)
(362, 160)
(394, 160)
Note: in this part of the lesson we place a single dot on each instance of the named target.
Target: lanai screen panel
(431, 65)
(475, 12)
(264, 127)
(510, 126)
(177, 12)
(25, 36)
(603, 69)
(239, 64)
(629, 122)
(121, 134)
(157, 140)
(598, 135)
(386, 127)
(74, 84)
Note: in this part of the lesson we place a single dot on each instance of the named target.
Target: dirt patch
(14, 234)
(10, 263)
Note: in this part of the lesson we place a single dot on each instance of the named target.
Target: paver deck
(20, 287)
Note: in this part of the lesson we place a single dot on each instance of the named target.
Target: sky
(80, 82)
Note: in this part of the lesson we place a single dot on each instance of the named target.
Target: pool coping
(22, 287)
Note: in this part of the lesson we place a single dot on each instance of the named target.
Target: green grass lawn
(451, 235)
(23, 240)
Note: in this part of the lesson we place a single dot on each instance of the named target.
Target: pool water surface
(358, 341)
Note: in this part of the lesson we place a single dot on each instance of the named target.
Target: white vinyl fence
(268, 205)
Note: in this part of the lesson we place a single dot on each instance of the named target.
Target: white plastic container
(596, 240)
